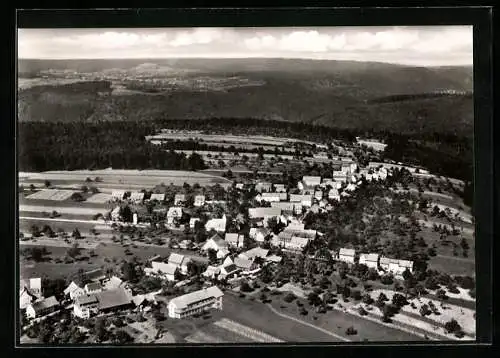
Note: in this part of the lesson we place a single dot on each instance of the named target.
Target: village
(245, 242)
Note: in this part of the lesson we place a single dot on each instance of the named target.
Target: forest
(122, 144)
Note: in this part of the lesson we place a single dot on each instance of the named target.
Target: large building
(105, 301)
(42, 307)
(370, 260)
(195, 302)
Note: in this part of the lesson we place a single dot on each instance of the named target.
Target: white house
(396, 266)
(318, 195)
(229, 271)
(311, 181)
(199, 200)
(73, 290)
(245, 265)
(216, 243)
(195, 302)
(174, 213)
(370, 260)
(270, 197)
(115, 214)
(253, 253)
(285, 206)
(263, 187)
(211, 272)
(179, 199)
(42, 307)
(162, 269)
(259, 234)
(333, 194)
(346, 255)
(117, 194)
(26, 298)
(113, 283)
(264, 213)
(85, 306)
(181, 261)
(192, 222)
(279, 188)
(93, 287)
(305, 200)
(33, 285)
(158, 197)
(234, 239)
(137, 197)
(218, 225)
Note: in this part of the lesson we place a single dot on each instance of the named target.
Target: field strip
(60, 220)
(246, 331)
(307, 324)
(62, 210)
(463, 259)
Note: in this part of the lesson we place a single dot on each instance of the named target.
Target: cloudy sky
(422, 46)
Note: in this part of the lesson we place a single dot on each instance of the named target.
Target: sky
(409, 45)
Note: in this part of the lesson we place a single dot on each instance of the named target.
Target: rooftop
(113, 298)
(44, 304)
(346, 252)
(196, 296)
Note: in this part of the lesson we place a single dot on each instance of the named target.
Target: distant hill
(333, 93)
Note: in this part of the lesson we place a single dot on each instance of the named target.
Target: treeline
(122, 144)
(74, 145)
(411, 97)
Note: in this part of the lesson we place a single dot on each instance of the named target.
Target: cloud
(425, 45)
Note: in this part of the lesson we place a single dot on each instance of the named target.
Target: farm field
(54, 270)
(51, 194)
(22, 200)
(63, 209)
(63, 216)
(453, 265)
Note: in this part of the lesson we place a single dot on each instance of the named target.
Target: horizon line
(243, 58)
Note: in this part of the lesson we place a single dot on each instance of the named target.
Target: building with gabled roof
(92, 287)
(303, 199)
(311, 181)
(253, 253)
(164, 270)
(269, 197)
(158, 197)
(26, 298)
(234, 239)
(346, 255)
(216, 243)
(96, 275)
(259, 233)
(211, 272)
(33, 286)
(73, 290)
(264, 213)
(137, 196)
(42, 307)
(263, 187)
(199, 200)
(218, 225)
(279, 188)
(195, 302)
(117, 194)
(396, 266)
(174, 213)
(370, 260)
(179, 199)
(245, 265)
(229, 271)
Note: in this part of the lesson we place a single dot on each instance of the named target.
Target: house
(113, 283)
(26, 298)
(195, 302)
(304, 199)
(285, 206)
(273, 259)
(298, 209)
(396, 266)
(370, 260)
(315, 208)
(245, 265)
(327, 181)
(158, 197)
(179, 199)
(85, 306)
(227, 261)
(174, 213)
(234, 239)
(112, 300)
(117, 194)
(270, 197)
(259, 234)
(264, 213)
(253, 253)
(283, 196)
(211, 272)
(180, 261)
(93, 287)
(263, 187)
(42, 307)
(296, 243)
(311, 181)
(229, 271)
(137, 197)
(96, 275)
(318, 195)
(218, 225)
(216, 243)
(351, 187)
(33, 285)
(192, 222)
(239, 186)
(199, 200)
(279, 188)
(164, 270)
(222, 253)
(73, 290)
(346, 255)
(333, 194)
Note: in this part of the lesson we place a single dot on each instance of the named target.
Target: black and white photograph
(249, 185)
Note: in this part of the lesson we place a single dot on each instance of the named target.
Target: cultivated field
(62, 209)
(51, 194)
(99, 198)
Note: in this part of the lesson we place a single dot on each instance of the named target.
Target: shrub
(452, 326)
(362, 311)
(424, 310)
(351, 331)
(289, 297)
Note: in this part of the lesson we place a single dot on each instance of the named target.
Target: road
(307, 324)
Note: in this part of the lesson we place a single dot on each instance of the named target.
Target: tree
(35, 231)
(452, 326)
(314, 299)
(126, 214)
(47, 183)
(73, 251)
(100, 330)
(129, 272)
(351, 331)
(122, 337)
(289, 297)
(425, 310)
(76, 234)
(77, 197)
(212, 255)
(399, 300)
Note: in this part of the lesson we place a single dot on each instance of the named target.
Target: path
(307, 324)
